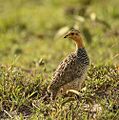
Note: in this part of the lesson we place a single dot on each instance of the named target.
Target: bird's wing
(66, 72)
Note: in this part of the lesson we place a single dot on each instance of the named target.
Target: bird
(71, 72)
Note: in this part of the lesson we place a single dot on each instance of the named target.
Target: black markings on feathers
(72, 68)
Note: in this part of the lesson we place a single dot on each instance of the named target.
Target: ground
(32, 46)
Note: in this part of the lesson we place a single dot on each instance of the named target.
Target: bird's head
(75, 35)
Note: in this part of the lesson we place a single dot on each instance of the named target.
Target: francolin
(71, 72)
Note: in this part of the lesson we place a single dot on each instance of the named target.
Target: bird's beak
(66, 36)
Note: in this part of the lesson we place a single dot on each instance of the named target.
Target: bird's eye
(72, 33)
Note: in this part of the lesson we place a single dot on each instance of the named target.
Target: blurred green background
(32, 46)
(31, 31)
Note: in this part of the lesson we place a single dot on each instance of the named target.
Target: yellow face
(73, 34)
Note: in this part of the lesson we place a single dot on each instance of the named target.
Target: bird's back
(70, 69)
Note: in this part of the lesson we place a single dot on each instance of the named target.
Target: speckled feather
(72, 68)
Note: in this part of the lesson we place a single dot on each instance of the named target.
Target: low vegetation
(32, 45)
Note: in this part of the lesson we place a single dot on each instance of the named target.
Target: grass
(32, 45)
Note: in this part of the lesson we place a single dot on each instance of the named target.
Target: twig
(8, 113)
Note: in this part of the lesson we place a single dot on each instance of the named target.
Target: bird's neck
(82, 56)
(79, 43)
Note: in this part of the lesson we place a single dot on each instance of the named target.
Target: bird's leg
(53, 94)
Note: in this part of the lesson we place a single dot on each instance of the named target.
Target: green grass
(31, 48)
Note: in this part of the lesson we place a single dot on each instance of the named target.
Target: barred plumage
(71, 72)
